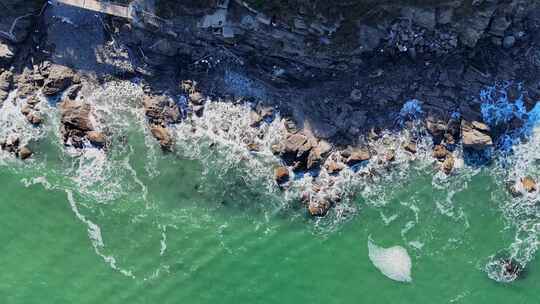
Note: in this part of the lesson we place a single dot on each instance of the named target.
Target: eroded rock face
(475, 135)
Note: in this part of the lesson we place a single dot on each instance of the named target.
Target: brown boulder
(25, 152)
(440, 152)
(76, 115)
(281, 175)
(296, 144)
(162, 135)
(529, 184)
(358, 155)
(96, 138)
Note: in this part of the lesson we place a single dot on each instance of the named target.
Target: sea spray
(393, 262)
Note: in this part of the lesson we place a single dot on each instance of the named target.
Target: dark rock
(369, 37)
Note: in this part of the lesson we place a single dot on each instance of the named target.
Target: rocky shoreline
(408, 68)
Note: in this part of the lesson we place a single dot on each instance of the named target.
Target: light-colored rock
(475, 135)
(162, 135)
(96, 137)
(25, 152)
(529, 184)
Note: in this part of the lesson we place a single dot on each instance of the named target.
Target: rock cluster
(13, 145)
(76, 125)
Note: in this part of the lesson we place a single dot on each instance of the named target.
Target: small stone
(448, 165)
(281, 175)
(25, 152)
(529, 184)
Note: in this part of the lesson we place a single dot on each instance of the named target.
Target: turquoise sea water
(204, 225)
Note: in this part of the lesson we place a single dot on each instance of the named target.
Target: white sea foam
(393, 262)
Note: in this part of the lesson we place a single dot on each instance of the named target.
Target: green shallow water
(181, 230)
